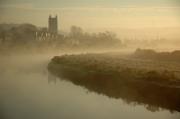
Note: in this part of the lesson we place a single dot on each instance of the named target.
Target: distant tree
(76, 31)
(23, 34)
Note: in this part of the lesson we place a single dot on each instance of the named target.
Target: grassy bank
(134, 81)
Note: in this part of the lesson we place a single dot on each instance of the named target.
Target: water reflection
(153, 97)
(51, 78)
(26, 94)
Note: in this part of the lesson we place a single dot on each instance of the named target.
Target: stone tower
(53, 25)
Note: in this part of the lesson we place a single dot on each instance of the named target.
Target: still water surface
(27, 92)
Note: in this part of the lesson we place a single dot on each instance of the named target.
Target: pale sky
(93, 13)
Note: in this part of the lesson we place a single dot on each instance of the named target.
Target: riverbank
(120, 76)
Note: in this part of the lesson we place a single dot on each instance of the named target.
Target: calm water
(26, 92)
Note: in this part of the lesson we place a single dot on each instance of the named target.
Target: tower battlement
(53, 24)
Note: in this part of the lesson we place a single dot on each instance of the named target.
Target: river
(27, 91)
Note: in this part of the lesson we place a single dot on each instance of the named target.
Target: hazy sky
(93, 13)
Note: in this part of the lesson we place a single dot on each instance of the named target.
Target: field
(153, 83)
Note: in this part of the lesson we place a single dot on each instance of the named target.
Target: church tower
(53, 25)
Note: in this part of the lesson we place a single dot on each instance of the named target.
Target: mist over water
(26, 93)
(89, 59)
